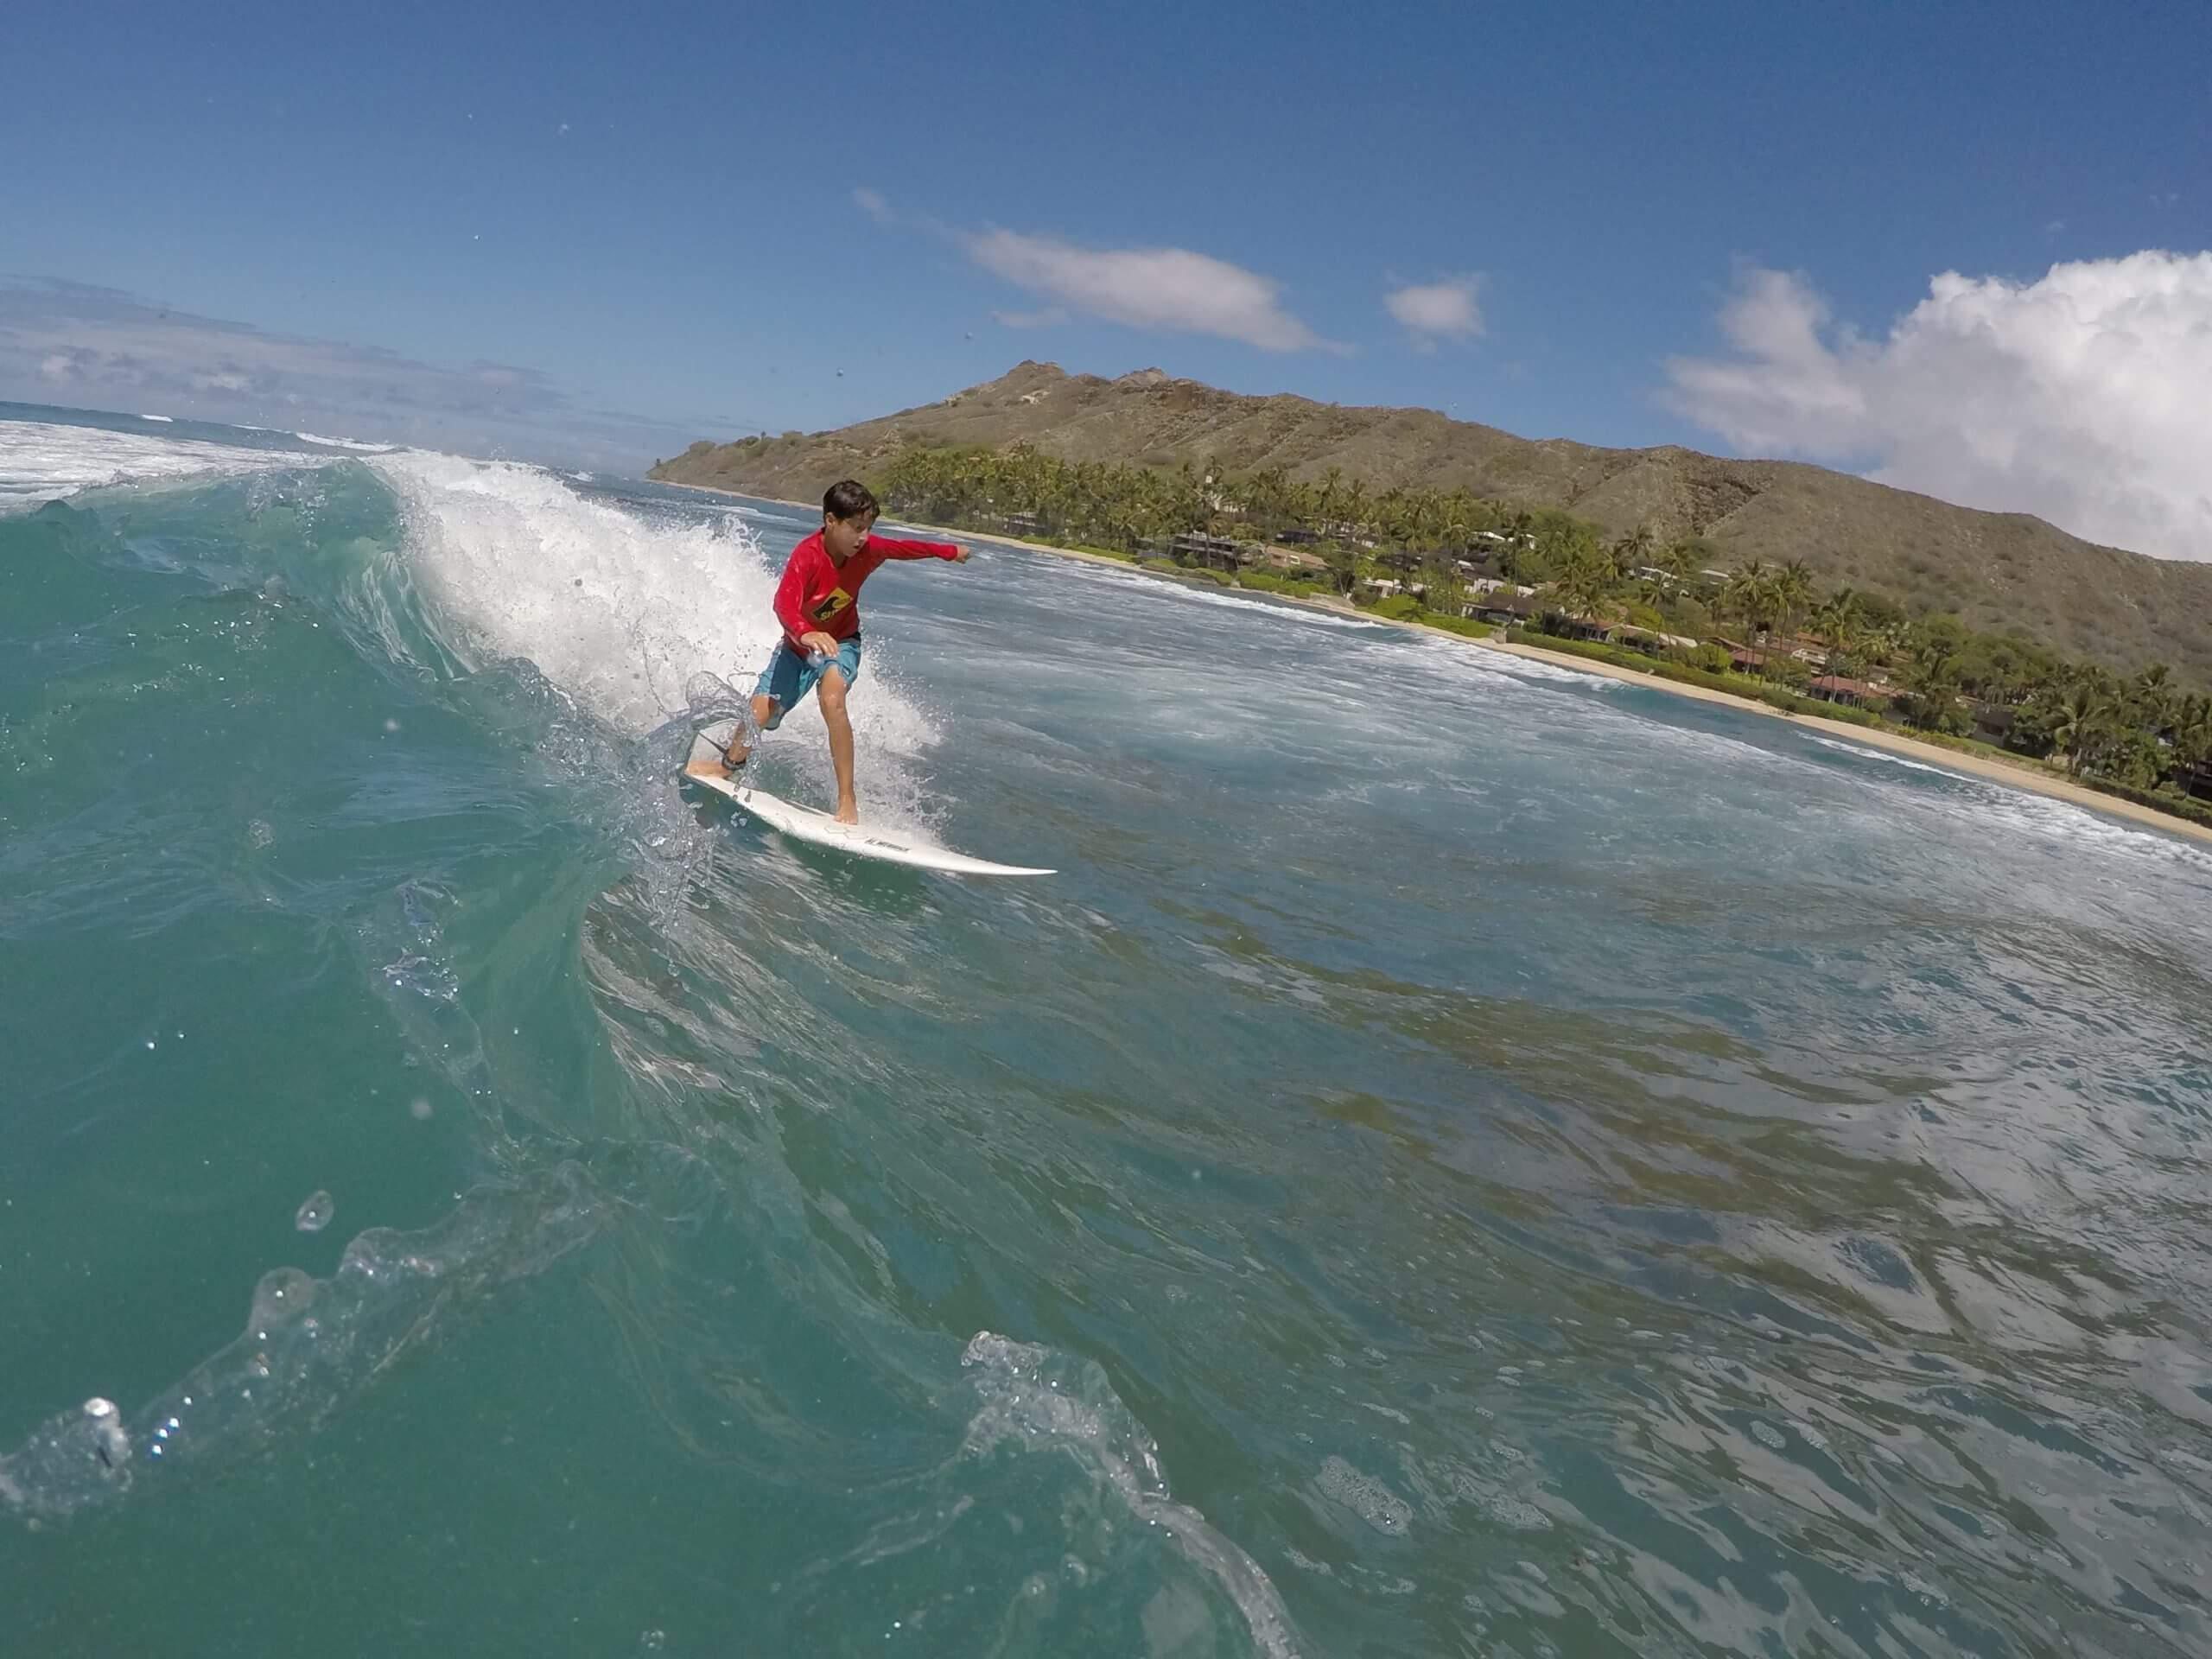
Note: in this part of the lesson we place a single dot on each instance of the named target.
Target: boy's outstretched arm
(894, 550)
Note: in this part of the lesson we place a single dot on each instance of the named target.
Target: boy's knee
(830, 688)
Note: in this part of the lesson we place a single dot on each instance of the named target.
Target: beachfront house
(1650, 641)
(1837, 687)
(1391, 588)
(1196, 547)
(1500, 607)
(1293, 563)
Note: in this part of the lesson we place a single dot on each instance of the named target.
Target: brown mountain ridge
(1995, 569)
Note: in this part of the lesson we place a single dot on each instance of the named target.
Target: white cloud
(873, 204)
(103, 345)
(1434, 311)
(1170, 290)
(2082, 396)
(1051, 317)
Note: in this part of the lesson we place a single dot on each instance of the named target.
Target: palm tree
(2193, 742)
(1586, 580)
(1442, 589)
(1754, 595)
(1793, 592)
(1837, 622)
(1932, 670)
(2082, 723)
(1330, 501)
(1356, 507)
(2151, 694)
(1633, 551)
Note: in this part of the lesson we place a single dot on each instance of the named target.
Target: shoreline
(1972, 766)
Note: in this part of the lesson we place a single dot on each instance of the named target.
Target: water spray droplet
(315, 1215)
(110, 1440)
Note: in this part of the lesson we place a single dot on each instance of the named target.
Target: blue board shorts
(789, 676)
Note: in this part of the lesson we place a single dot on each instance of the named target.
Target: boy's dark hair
(849, 498)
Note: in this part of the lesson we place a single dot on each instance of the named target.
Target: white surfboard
(861, 840)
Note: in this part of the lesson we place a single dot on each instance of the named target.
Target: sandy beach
(1974, 766)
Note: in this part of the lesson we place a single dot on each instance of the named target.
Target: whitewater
(1465, 1158)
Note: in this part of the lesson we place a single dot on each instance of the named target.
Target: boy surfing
(817, 603)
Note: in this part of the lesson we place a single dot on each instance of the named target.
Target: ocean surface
(1465, 1158)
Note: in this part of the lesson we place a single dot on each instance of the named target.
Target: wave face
(1465, 1158)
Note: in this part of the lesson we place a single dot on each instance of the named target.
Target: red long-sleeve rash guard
(817, 596)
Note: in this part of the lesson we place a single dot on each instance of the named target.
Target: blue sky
(592, 230)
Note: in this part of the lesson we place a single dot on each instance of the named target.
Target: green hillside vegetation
(1766, 630)
(2003, 573)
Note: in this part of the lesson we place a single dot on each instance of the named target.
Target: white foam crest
(1170, 588)
(1288, 612)
(1998, 800)
(619, 610)
(1537, 669)
(41, 461)
(1905, 761)
(355, 444)
(164, 419)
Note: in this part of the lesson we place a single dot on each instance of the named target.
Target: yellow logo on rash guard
(831, 603)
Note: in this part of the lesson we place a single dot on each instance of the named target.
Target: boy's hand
(818, 641)
(960, 556)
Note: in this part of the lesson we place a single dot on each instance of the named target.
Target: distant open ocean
(1465, 1158)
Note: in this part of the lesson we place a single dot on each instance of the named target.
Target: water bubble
(281, 1297)
(419, 1107)
(391, 725)
(259, 834)
(110, 1439)
(315, 1215)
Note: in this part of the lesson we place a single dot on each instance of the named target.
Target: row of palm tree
(2142, 730)
(1113, 503)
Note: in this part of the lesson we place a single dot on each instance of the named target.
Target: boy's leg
(778, 688)
(764, 709)
(829, 690)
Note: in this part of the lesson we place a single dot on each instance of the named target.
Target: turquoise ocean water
(1466, 1159)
